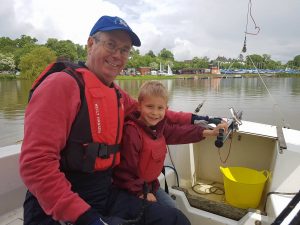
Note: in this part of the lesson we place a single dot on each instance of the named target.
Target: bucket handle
(266, 173)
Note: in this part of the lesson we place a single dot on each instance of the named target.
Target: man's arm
(130, 105)
(48, 119)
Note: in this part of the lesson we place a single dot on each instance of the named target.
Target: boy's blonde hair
(153, 88)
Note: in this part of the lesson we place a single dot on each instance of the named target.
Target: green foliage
(154, 65)
(20, 52)
(66, 49)
(63, 49)
(151, 54)
(255, 60)
(166, 55)
(7, 63)
(297, 61)
(81, 52)
(7, 46)
(199, 62)
(34, 62)
(134, 59)
(24, 41)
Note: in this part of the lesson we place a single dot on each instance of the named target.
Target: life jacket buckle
(103, 151)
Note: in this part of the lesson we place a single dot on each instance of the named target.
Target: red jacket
(48, 121)
(127, 174)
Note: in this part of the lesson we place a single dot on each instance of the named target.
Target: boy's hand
(215, 120)
(150, 197)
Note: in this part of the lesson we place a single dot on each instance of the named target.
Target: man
(73, 127)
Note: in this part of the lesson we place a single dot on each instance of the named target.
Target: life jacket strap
(103, 150)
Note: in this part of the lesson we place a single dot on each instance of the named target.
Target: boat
(163, 73)
(249, 144)
(169, 73)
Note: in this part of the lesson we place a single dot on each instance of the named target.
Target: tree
(151, 54)
(63, 49)
(297, 61)
(25, 40)
(7, 46)
(166, 55)
(257, 60)
(20, 52)
(154, 65)
(7, 63)
(81, 52)
(266, 57)
(34, 62)
(134, 59)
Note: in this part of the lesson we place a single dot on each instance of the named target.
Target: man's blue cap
(109, 23)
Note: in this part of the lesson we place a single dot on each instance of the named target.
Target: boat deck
(14, 217)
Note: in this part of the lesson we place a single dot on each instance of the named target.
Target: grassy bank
(8, 76)
(200, 76)
(182, 76)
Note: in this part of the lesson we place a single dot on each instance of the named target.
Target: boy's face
(152, 109)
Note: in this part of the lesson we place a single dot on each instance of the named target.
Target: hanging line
(244, 49)
(249, 14)
(275, 104)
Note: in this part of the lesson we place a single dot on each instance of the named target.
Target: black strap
(69, 68)
(166, 184)
(286, 211)
(103, 150)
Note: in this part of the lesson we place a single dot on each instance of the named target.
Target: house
(215, 70)
(144, 70)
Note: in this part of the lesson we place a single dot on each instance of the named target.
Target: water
(280, 107)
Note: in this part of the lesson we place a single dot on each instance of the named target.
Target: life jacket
(93, 142)
(152, 155)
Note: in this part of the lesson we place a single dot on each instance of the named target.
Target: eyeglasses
(111, 47)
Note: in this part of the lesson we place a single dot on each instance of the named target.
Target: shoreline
(176, 76)
(202, 76)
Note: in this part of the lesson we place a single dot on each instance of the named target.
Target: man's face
(108, 54)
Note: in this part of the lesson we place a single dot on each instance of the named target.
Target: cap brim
(134, 38)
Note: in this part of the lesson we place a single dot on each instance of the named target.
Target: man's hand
(215, 131)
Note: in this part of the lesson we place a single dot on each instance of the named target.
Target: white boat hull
(254, 145)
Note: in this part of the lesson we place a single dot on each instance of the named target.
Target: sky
(188, 28)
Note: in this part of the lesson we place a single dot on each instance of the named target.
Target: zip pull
(119, 96)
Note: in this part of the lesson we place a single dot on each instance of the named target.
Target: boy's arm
(189, 133)
(182, 134)
(130, 105)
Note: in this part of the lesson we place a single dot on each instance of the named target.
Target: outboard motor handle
(233, 124)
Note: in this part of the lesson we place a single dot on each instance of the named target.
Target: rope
(225, 160)
(213, 189)
(244, 49)
(249, 13)
(285, 124)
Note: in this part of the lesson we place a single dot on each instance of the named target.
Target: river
(275, 101)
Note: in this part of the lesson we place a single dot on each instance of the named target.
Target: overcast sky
(188, 28)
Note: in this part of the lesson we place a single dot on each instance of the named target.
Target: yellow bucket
(243, 186)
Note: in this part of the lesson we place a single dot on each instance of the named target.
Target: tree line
(26, 56)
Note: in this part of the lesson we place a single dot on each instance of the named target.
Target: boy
(145, 136)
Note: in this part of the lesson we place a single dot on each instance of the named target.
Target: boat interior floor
(209, 196)
(14, 217)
